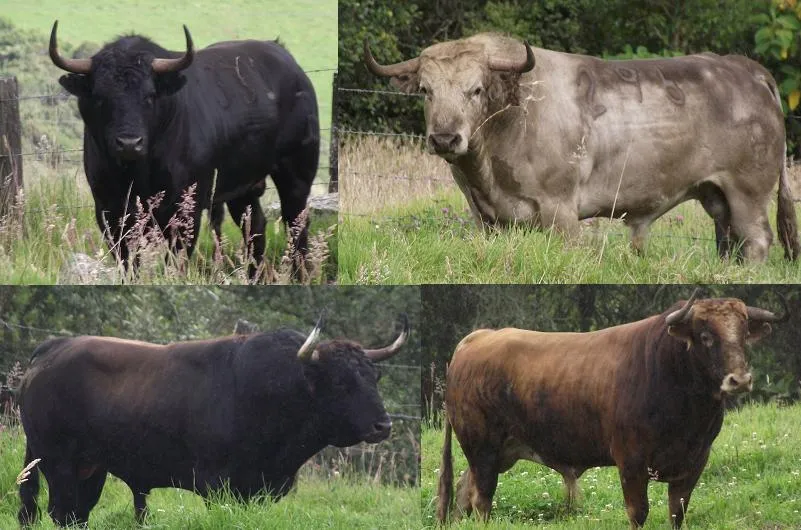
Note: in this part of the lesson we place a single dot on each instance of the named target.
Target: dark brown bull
(646, 397)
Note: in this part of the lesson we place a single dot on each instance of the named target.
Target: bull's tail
(28, 492)
(786, 221)
(445, 489)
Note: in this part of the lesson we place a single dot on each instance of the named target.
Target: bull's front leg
(560, 216)
(679, 491)
(634, 479)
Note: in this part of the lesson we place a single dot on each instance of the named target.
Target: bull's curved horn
(681, 315)
(390, 70)
(75, 66)
(763, 315)
(387, 352)
(507, 65)
(306, 352)
(163, 66)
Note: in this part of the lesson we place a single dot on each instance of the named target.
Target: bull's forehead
(725, 316)
(125, 70)
(457, 63)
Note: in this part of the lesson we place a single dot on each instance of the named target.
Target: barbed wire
(376, 133)
(64, 96)
(383, 92)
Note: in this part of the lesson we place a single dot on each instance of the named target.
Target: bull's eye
(707, 339)
(423, 90)
(149, 100)
(477, 91)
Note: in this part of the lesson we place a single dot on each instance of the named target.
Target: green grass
(435, 240)
(752, 480)
(59, 218)
(346, 503)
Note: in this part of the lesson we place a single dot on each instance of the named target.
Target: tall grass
(53, 220)
(405, 221)
(342, 500)
(752, 480)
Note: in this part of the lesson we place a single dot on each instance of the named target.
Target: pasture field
(58, 217)
(338, 503)
(751, 481)
(405, 221)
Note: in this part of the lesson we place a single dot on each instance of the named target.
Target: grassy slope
(317, 503)
(752, 480)
(59, 218)
(434, 240)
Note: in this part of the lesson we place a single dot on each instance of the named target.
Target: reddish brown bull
(645, 396)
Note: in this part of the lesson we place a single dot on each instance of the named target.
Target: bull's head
(118, 89)
(459, 80)
(717, 330)
(344, 382)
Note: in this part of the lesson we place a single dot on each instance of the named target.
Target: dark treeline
(608, 28)
(451, 313)
(30, 315)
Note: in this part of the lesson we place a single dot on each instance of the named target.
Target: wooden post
(333, 149)
(10, 143)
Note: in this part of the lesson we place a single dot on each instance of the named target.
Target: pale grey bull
(545, 138)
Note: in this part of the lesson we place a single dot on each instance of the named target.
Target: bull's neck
(496, 140)
(474, 168)
(671, 367)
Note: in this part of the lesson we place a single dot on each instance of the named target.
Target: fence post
(333, 149)
(10, 143)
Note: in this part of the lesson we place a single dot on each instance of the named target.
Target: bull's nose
(383, 427)
(443, 142)
(380, 431)
(736, 383)
(132, 144)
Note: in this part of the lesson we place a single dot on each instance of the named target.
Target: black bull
(244, 411)
(159, 121)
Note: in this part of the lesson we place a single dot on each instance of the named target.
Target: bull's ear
(757, 330)
(682, 331)
(408, 83)
(169, 84)
(76, 84)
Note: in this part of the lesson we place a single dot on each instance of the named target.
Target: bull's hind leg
(293, 179)
(714, 202)
(62, 481)
(253, 228)
(484, 471)
(464, 486)
(749, 223)
(88, 493)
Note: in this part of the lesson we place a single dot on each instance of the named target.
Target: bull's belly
(557, 448)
